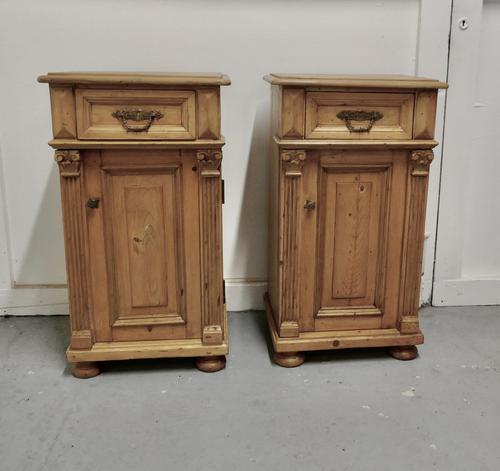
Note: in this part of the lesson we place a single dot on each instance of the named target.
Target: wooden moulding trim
(144, 349)
(109, 351)
(133, 78)
(418, 173)
(292, 162)
(209, 162)
(76, 144)
(355, 81)
(309, 341)
(349, 312)
(76, 248)
(351, 144)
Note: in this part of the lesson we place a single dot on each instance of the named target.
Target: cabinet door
(352, 241)
(144, 244)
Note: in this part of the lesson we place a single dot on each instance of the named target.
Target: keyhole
(463, 23)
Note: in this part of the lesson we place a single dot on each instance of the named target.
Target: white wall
(468, 249)
(245, 39)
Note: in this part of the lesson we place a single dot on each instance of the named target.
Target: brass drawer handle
(137, 115)
(349, 116)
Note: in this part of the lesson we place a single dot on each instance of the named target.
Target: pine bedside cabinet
(139, 158)
(348, 187)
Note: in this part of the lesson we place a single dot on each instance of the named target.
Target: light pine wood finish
(347, 212)
(355, 81)
(211, 364)
(62, 100)
(322, 109)
(142, 216)
(134, 79)
(197, 144)
(85, 370)
(288, 360)
(95, 108)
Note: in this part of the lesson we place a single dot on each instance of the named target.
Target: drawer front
(339, 115)
(135, 114)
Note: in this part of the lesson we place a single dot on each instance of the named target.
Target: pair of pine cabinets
(139, 158)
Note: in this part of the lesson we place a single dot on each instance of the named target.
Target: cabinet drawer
(135, 114)
(339, 115)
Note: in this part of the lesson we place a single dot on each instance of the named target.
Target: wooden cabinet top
(134, 78)
(356, 81)
(97, 109)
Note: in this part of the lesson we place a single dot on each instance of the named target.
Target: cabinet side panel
(276, 102)
(274, 204)
(273, 237)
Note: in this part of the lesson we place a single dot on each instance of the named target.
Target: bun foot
(405, 353)
(85, 369)
(211, 364)
(288, 359)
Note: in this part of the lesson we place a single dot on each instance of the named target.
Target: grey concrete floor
(343, 410)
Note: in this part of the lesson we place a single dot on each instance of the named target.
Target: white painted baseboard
(24, 301)
(467, 292)
(245, 295)
(241, 295)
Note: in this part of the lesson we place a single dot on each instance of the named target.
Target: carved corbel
(209, 161)
(421, 160)
(293, 161)
(69, 163)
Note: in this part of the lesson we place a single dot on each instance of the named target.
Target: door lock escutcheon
(93, 203)
(309, 205)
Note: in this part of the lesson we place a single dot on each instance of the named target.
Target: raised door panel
(353, 210)
(144, 221)
(151, 254)
(354, 243)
